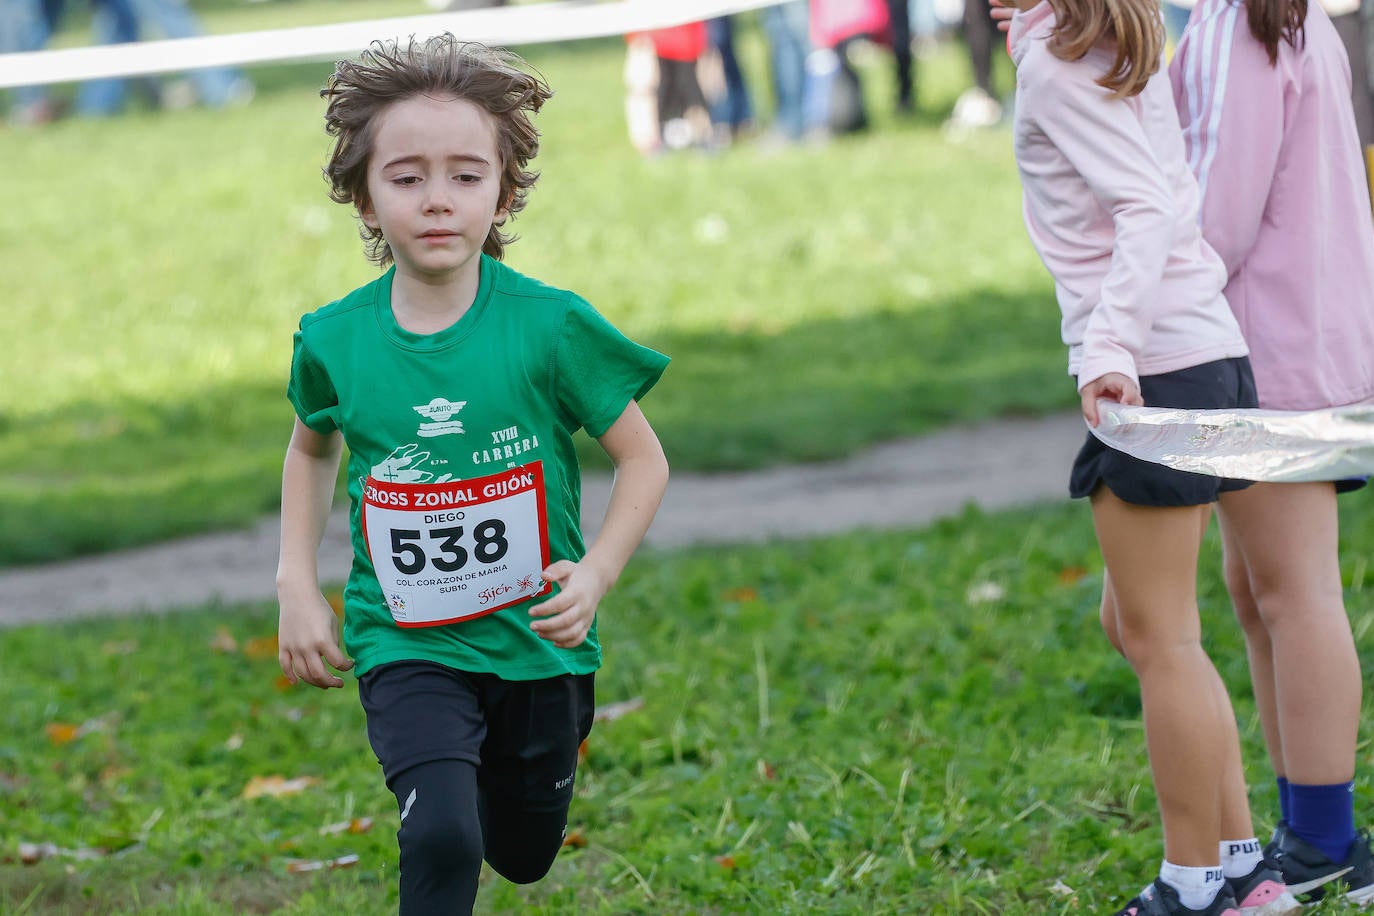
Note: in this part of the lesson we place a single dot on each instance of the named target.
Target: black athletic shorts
(1221, 385)
(522, 736)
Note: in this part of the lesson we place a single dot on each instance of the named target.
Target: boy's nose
(438, 200)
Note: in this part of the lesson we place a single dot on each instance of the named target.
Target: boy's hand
(1112, 387)
(307, 637)
(569, 613)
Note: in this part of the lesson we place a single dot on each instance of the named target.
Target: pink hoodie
(1284, 201)
(1111, 207)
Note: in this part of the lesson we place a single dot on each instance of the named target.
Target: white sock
(1239, 857)
(1197, 887)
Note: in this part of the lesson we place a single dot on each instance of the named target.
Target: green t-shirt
(440, 429)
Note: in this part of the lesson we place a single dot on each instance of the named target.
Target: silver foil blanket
(1277, 446)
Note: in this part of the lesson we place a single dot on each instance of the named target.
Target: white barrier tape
(503, 26)
(1276, 446)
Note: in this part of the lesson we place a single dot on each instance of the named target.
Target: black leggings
(449, 824)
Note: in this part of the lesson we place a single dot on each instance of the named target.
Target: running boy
(457, 384)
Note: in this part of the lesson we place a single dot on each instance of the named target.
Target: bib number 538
(443, 548)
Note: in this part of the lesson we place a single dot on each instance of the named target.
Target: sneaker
(1262, 892)
(1271, 849)
(1159, 899)
(1309, 874)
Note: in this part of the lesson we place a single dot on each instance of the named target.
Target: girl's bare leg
(1190, 731)
(1284, 577)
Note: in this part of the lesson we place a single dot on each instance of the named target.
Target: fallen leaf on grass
(1060, 888)
(224, 641)
(766, 770)
(726, 862)
(276, 786)
(583, 751)
(300, 866)
(575, 839)
(234, 742)
(613, 711)
(356, 825)
(60, 733)
(1071, 574)
(260, 647)
(280, 682)
(33, 853)
(740, 594)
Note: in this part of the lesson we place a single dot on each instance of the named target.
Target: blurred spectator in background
(732, 111)
(1176, 13)
(899, 19)
(977, 106)
(683, 118)
(641, 94)
(1350, 26)
(836, 26)
(216, 87)
(788, 29)
(27, 25)
(664, 104)
(24, 27)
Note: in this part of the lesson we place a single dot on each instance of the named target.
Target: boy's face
(434, 180)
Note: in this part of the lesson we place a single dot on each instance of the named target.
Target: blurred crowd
(685, 87)
(28, 25)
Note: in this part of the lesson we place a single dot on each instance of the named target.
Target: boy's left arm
(641, 475)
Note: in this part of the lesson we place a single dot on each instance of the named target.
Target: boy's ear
(369, 217)
(503, 212)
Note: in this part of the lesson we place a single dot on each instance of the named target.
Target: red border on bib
(411, 491)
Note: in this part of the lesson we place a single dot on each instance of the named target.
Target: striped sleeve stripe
(1205, 80)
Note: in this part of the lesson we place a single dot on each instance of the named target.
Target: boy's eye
(406, 179)
(469, 179)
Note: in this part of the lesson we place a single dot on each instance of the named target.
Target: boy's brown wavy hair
(438, 67)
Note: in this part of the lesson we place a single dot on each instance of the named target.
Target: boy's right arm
(307, 633)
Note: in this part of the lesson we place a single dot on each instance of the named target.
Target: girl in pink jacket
(1111, 206)
(1263, 90)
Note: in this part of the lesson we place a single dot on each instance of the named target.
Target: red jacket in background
(680, 42)
(833, 21)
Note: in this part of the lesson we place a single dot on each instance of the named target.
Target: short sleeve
(597, 370)
(310, 390)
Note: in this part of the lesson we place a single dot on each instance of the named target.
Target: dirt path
(901, 484)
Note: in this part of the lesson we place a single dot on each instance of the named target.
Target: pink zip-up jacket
(1284, 201)
(1111, 207)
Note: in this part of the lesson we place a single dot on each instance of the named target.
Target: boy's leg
(440, 837)
(1151, 557)
(425, 723)
(534, 730)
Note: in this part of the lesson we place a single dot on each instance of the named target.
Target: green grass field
(815, 300)
(918, 722)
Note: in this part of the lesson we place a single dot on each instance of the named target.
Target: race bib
(449, 552)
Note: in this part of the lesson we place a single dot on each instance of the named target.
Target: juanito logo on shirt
(437, 415)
